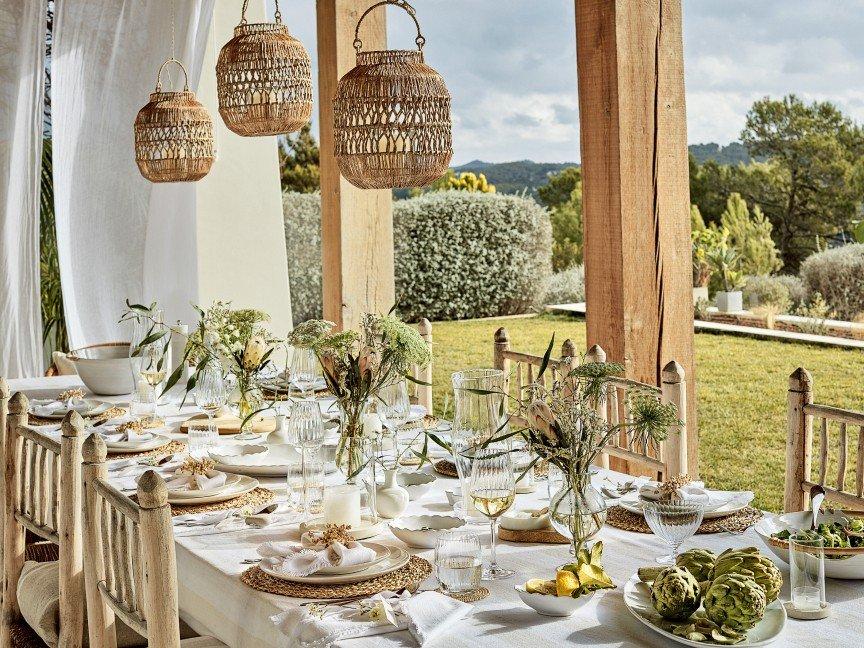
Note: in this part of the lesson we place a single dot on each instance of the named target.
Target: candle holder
(807, 577)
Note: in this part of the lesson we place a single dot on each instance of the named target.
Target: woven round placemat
(111, 412)
(544, 536)
(169, 448)
(467, 597)
(445, 467)
(621, 518)
(409, 576)
(252, 499)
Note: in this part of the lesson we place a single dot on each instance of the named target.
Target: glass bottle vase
(577, 510)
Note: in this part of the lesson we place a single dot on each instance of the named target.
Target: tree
(299, 160)
(559, 188)
(562, 194)
(750, 237)
(811, 185)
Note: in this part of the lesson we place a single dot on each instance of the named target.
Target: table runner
(214, 601)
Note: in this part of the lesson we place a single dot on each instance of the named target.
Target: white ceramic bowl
(453, 497)
(422, 531)
(239, 455)
(844, 566)
(514, 523)
(104, 368)
(416, 483)
(549, 605)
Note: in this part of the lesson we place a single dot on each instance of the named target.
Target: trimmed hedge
(838, 275)
(302, 214)
(566, 287)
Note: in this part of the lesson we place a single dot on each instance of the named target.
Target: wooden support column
(635, 189)
(356, 224)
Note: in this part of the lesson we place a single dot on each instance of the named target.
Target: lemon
(536, 586)
(566, 582)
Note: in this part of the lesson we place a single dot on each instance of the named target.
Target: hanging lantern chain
(402, 4)
(243, 21)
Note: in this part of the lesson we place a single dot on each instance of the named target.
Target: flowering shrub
(797, 291)
(836, 275)
(566, 287)
(302, 214)
(464, 254)
(766, 291)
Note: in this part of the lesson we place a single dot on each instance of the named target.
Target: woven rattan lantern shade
(173, 135)
(392, 123)
(264, 79)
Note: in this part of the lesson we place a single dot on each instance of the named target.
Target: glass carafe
(478, 417)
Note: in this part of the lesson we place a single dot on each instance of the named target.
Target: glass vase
(356, 456)
(478, 416)
(577, 510)
(248, 401)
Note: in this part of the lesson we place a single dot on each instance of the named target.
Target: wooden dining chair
(130, 563)
(520, 369)
(41, 495)
(422, 394)
(837, 429)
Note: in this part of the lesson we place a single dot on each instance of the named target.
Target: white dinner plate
(274, 463)
(185, 493)
(243, 486)
(156, 441)
(637, 598)
(631, 503)
(367, 528)
(382, 553)
(88, 407)
(397, 559)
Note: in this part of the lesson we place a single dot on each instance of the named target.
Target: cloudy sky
(511, 65)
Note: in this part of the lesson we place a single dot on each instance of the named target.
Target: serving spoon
(817, 494)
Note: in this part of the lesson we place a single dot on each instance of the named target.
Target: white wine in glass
(492, 491)
(492, 503)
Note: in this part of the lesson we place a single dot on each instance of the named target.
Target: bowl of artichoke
(843, 536)
(730, 599)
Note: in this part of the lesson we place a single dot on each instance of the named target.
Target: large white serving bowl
(104, 368)
(416, 483)
(422, 531)
(548, 605)
(514, 522)
(849, 565)
(245, 454)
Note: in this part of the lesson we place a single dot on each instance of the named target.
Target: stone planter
(730, 302)
(700, 293)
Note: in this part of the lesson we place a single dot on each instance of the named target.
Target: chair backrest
(422, 394)
(803, 416)
(129, 559)
(42, 494)
(669, 458)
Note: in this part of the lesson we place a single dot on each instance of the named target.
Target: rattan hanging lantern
(392, 116)
(173, 134)
(264, 79)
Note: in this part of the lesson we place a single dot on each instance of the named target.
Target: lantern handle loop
(403, 4)
(246, 4)
(162, 67)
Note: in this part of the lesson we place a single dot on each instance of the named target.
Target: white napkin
(311, 555)
(185, 481)
(426, 616)
(696, 492)
(201, 519)
(48, 407)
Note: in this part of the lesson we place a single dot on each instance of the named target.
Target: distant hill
(733, 153)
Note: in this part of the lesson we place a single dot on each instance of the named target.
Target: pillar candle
(342, 505)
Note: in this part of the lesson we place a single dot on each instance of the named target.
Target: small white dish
(245, 454)
(522, 520)
(367, 528)
(150, 443)
(416, 483)
(422, 531)
(243, 486)
(453, 497)
(548, 605)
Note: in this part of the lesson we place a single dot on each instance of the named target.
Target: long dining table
(215, 602)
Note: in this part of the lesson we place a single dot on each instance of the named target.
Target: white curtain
(118, 235)
(22, 52)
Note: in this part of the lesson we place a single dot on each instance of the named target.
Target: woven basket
(174, 135)
(264, 79)
(392, 123)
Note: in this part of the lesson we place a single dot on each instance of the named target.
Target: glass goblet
(673, 522)
(493, 490)
(211, 393)
(306, 432)
(305, 370)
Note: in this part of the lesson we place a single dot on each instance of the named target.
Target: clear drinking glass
(807, 572)
(458, 561)
(305, 370)
(211, 393)
(394, 409)
(674, 522)
(306, 482)
(492, 492)
(200, 438)
(479, 415)
(306, 432)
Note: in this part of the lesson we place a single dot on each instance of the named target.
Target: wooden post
(500, 360)
(13, 532)
(798, 439)
(636, 203)
(356, 224)
(160, 562)
(597, 354)
(100, 616)
(4, 410)
(70, 563)
(424, 392)
(674, 390)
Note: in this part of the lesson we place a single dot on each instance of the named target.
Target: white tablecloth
(214, 601)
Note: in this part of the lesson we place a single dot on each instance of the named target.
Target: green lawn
(741, 387)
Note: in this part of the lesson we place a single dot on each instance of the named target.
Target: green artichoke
(698, 562)
(735, 601)
(749, 562)
(675, 594)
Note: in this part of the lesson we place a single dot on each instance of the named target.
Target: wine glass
(492, 490)
(155, 359)
(394, 409)
(201, 436)
(211, 393)
(305, 431)
(305, 370)
(674, 522)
